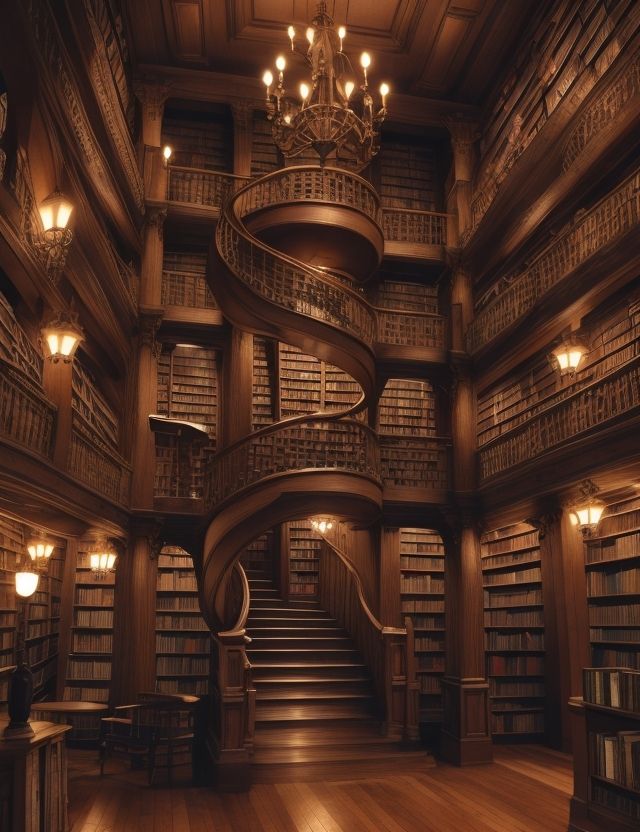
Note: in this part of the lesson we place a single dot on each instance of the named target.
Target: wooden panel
(185, 30)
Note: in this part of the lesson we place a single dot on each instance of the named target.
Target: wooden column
(564, 587)
(57, 385)
(463, 135)
(152, 98)
(238, 386)
(242, 138)
(66, 612)
(466, 735)
(389, 584)
(134, 635)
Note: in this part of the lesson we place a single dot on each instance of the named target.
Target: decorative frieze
(606, 222)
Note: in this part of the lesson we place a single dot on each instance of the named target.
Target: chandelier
(331, 115)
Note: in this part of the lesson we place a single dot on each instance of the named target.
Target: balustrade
(412, 226)
(99, 467)
(306, 445)
(26, 416)
(606, 222)
(410, 329)
(608, 398)
(198, 186)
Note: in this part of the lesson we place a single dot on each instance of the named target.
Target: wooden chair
(158, 733)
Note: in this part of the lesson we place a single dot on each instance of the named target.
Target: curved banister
(240, 627)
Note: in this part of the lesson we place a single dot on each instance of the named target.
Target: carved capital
(463, 136)
(148, 325)
(242, 112)
(155, 219)
(152, 95)
(544, 522)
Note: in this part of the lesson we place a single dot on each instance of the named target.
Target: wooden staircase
(316, 713)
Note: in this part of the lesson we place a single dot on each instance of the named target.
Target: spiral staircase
(290, 251)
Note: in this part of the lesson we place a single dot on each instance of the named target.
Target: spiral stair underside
(305, 464)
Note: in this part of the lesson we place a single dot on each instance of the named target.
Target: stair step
(296, 632)
(273, 669)
(312, 620)
(279, 605)
(283, 654)
(296, 642)
(309, 713)
(314, 697)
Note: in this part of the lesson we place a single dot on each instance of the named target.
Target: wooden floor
(526, 789)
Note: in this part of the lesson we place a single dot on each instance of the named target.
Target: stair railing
(233, 693)
(387, 651)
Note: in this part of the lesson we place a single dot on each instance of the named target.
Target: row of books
(515, 666)
(178, 602)
(197, 687)
(180, 644)
(8, 619)
(421, 583)
(615, 614)
(422, 605)
(518, 576)
(94, 618)
(523, 598)
(423, 643)
(498, 687)
(615, 634)
(614, 687)
(619, 802)
(96, 596)
(512, 558)
(431, 622)
(627, 545)
(46, 649)
(87, 669)
(181, 665)
(613, 581)
(608, 657)
(181, 622)
(617, 757)
(180, 581)
(496, 640)
(506, 544)
(527, 723)
(83, 694)
(421, 562)
(427, 661)
(175, 562)
(513, 618)
(430, 685)
(92, 642)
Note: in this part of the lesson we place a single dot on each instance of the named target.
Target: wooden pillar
(463, 135)
(242, 138)
(67, 591)
(152, 97)
(564, 587)
(238, 386)
(57, 385)
(152, 258)
(389, 583)
(134, 636)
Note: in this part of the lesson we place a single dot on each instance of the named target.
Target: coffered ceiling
(444, 49)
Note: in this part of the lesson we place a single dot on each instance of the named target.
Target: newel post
(397, 685)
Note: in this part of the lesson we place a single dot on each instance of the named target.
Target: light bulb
(26, 583)
(166, 152)
(365, 60)
(304, 91)
(292, 33)
(348, 88)
(267, 78)
(287, 119)
(280, 63)
(310, 35)
(342, 33)
(384, 92)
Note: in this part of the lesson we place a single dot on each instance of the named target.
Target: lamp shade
(40, 550)
(587, 516)
(62, 337)
(568, 355)
(102, 561)
(55, 211)
(26, 583)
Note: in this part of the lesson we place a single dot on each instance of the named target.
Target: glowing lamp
(587, 517)
(321, 524)
(567, 356)
(384, 92)
(62, 337)
(280, 63)
(348, 89)
(55, 211)
(40, 550)
(26, 583)
(304, 91)
(167, 152)
(310, 35)
(102, 558)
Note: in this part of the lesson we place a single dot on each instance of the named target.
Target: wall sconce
(321, 524)
(62, 337)
(102, 558)
(567, 356)
(40, 550)
(587, 512)
(167, 153)
(21, 680)
(55, 211)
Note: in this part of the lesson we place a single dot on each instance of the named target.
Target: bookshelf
(407, 171)
(411, 297)
(304, 559)
(184, 278)
(263, 398)
(11, 547)
(187, 391)
(612, 563)
(264, 153)
(91, 409)
(612, 716)
(182, 638)
(199, 139)
(514, 631)
(422, 598)
(257, 558)
(88, 675)
(308, 384)
(407, 408)
(16, 347)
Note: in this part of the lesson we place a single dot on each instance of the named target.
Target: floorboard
(525, 789)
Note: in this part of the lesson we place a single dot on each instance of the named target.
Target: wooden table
(83, 717)
(33, 780)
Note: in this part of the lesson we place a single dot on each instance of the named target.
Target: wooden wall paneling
(242, 138)
(134, 633)
(281, 544)
(389, 582)
(237, 387)
(66, 612)
(144, 451)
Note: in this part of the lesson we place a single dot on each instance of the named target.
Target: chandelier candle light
(327, 118)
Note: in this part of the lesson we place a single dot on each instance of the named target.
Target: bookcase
(304, 559)
(403, 294)
(422, 598)
(264, 153)
(257, 558)
(187, 391)
(407, 174)
(183, 278)
(407, 408)
(15, 346)
(612, 563)
(263, 399)
(42, 613)
(199, 139)
(308, 384)
(514, 631)
(183, 639)
(88, 675)
(91, 408)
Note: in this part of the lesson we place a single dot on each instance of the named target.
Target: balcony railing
(610, 219)
(307, 445)
(615, 395)
(26, 416)
(186, 289)
(422, 463)
(406, 328)
(198, 186)
(405, 225)
(98, 466)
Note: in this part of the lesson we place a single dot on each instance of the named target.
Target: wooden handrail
(190, 169)
(240, 627)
